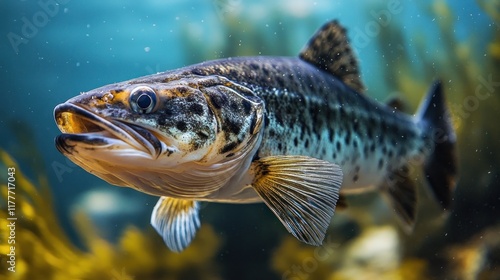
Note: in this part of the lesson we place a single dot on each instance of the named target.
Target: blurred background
(72, 225)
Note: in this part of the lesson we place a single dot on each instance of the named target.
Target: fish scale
(296, 133)
(324, 118)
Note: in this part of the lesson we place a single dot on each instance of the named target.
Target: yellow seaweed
(43, 250)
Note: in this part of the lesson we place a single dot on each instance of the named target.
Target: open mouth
(80, 125)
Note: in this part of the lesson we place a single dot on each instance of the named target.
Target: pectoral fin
(176, 220)
(301, 191)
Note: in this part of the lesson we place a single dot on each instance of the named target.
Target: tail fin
(441, 166)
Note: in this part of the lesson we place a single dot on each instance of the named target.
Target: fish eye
(143, 100)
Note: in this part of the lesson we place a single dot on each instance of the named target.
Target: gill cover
(238, 113)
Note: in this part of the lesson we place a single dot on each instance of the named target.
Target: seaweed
(374, 254)
(43, 250)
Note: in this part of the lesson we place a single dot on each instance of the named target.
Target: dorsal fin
(329, 50)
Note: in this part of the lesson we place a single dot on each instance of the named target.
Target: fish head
(123, 131)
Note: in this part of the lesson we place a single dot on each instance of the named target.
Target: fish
(297, 133)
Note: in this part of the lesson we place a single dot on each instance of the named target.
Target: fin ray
(301, 191)
(177, 221)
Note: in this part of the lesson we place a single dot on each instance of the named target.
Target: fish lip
(90, 127)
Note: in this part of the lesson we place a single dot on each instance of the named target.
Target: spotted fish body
(309, 112)
(295, 133)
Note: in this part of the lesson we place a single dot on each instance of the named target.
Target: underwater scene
(61, 221)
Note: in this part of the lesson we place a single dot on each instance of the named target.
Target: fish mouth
(82, 126)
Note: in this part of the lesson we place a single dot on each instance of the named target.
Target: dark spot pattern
(247, 106)
(182, 126)
(231, 126)
(218, 101)
(331, 135)
(280, 146)
(355, 178)
(348, 138)
(228, 147)
(307, 112)
(196, 109)
(272, 133)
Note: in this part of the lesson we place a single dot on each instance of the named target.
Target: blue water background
(87, 44)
